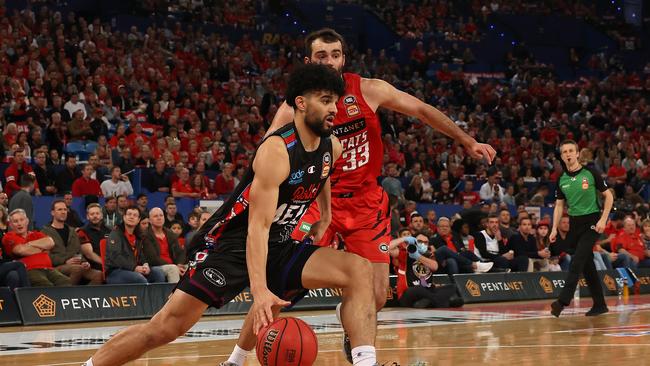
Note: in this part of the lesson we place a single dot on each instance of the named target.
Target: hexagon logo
(473, 288)
(45, 307)
(609, 282)
(546, 284)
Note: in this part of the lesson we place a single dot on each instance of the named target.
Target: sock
(238, 356)
(364, 356)
(89, 362)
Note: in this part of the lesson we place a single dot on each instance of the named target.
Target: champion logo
(311, 169)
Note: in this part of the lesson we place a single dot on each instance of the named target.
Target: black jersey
(309, 172)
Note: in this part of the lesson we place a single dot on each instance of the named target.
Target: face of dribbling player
(320, 110)
(330, 54)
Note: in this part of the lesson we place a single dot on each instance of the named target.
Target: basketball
(287, 341)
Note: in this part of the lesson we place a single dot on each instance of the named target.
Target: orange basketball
(287, 341)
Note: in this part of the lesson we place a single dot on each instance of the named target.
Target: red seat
(102, 254)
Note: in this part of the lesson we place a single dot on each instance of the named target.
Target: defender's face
(330, 54)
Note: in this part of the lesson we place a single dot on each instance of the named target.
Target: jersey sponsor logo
(305, 227)
(352, 110)
(585, 183)
(296, 177)
(350, 99)
(327, 162)
(215, 277)
(349, 128)
(311, 169)
(305, 194)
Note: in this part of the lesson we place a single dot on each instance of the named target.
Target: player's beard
(318, 125)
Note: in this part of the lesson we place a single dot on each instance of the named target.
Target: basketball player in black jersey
(248, 238)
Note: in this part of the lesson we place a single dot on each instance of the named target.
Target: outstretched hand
(479, 151)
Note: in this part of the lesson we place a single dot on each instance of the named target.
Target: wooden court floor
(520, 333)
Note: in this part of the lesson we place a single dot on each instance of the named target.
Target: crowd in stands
(189, 108)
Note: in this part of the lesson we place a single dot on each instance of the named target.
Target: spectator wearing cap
(118, 185)
(158, 179)
(491, 191)
(15, 170)
(86, 185)
(66, 254)
(23, 198)
(32, 249)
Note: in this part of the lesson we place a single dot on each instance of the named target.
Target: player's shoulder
(273, 144)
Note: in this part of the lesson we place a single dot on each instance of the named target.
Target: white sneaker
(482, 267)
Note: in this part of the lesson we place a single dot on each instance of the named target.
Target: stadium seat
(102, 254)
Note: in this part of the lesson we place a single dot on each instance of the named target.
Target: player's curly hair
(313, 77)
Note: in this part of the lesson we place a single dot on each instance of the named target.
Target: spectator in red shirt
(629, 242)
(85, 185)
(182, 188)
(162, 248)
(224, 183)
(13, 173)
(468, 195)
(617, 171)
(32, 248)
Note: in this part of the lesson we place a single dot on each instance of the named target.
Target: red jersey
(359, 129)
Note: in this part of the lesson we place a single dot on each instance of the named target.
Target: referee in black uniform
(578, 186)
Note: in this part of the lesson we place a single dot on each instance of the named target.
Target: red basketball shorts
(361, 219)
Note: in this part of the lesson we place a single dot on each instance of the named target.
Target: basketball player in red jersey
(359, 206)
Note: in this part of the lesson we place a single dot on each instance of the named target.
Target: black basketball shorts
(216, 276)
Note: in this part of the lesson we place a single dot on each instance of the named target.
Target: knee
(359, 272)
